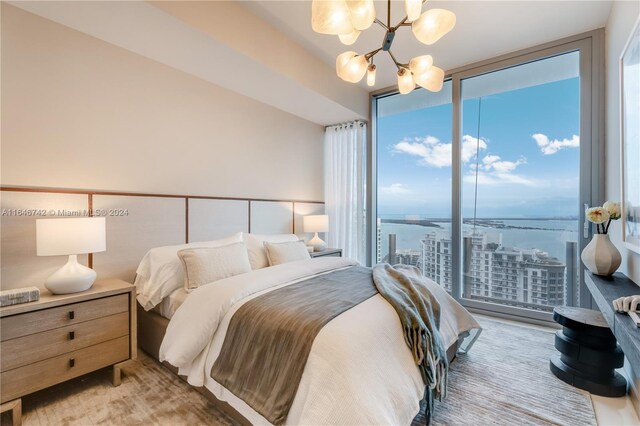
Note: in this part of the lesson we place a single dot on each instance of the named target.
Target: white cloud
(434, 153)
(490, 159)
(395, 189)
(470, 146)
(549, 147)
(494, 171)
(495, 163)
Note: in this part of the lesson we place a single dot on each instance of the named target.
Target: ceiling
(273, 40)
(484, 29)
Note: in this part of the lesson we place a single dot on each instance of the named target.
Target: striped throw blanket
(419, 312)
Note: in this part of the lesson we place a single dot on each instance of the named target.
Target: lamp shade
(433, 24)
(341, 62)
(371, 75)
(413, 8)
(362, 12)
(420, 64)
(432, 79)
(355, 69)
(67, 236)
(349, 39)
(405, 81)
(331, 17)
(316, 223)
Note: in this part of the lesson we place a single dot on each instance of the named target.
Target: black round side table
(589, 353)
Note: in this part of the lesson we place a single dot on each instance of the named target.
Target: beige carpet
(504, 380)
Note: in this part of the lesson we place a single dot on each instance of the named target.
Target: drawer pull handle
(72, 362)
(72, 335)
(72, 315)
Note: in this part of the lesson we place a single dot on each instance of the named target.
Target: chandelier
(348, 18)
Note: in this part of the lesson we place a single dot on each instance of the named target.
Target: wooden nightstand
(60, 337)
(328, 252)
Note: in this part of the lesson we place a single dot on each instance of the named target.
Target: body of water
(549, 235)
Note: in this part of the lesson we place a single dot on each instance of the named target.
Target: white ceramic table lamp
(316, 223)
(70, 236)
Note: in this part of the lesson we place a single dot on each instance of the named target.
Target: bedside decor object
(19, 295)
(61, 337)
(627, 304)
(316, 223)
(600, 256)
(589, 353)
(630, 139)
(72, 236)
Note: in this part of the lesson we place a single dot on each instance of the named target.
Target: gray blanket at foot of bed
(269, 338)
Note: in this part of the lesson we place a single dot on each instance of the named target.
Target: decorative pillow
(160, 272)
(255, 247)
(278, 253)
(206, 265)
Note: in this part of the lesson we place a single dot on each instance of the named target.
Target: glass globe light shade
(363, 13)
(371, 75)
(420, 64)
(341, 62)
(355, 69)
(331, 17)
(433, 24)
(413, 8)
(405, 81)
(350, 38)
(432, 79)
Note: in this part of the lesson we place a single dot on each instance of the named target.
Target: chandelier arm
(401, 24)
(379, 22)
(372, 53)
(398, 64)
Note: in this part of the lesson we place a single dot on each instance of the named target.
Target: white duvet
(359, 370)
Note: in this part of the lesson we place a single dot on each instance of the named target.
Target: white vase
(600, 256)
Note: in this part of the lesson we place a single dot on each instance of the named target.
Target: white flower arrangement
(602, 216)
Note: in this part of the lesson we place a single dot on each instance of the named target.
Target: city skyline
(516, 276)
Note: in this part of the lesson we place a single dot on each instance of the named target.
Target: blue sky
(528, 156)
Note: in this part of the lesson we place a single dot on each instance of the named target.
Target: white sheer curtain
(344, 188)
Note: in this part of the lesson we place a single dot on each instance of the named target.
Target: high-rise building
(409, 257)
(493, 273)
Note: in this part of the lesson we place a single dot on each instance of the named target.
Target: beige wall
(623, 16)
(80, 113)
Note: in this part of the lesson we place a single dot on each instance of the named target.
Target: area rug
(504, 380)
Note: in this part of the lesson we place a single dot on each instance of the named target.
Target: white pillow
(291, 251)
(160, 272)
(255, 247)
(206, 265)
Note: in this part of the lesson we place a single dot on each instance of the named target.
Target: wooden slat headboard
(136, 222)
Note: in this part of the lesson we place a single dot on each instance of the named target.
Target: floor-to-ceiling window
(521, 188)
(482, 185)
(414, 154)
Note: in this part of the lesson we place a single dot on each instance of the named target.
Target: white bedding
(359, 371)
(171, 303)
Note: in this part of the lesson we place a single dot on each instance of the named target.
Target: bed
(359, 369)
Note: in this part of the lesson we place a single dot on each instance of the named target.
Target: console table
(604, 291)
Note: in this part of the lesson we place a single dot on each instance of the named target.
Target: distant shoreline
(495, 223)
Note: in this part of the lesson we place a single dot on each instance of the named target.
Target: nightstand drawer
(33, 377)
(47, 319)
(47, 344)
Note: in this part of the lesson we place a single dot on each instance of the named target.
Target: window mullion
(456, 189)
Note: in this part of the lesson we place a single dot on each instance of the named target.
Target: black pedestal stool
(589, 353)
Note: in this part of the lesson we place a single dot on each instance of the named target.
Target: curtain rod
(343, 125)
